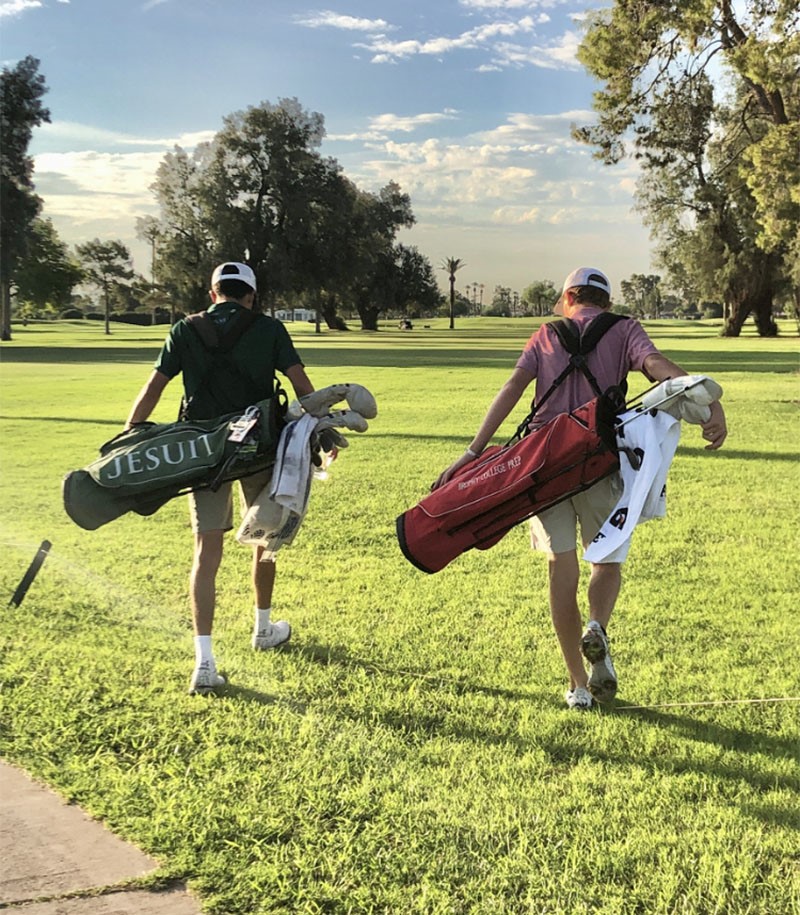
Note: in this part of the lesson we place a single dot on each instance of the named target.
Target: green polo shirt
(240, 378)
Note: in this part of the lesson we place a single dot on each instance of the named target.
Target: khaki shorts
(555, 529)
(213, 511)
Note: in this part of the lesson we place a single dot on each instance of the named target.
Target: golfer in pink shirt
(625, 347)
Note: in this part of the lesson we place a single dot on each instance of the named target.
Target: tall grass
(410, 751)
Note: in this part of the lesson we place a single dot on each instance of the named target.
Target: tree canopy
(21, 110)
(105, 265)
(706, 95)
(46, 274)
(260, 192)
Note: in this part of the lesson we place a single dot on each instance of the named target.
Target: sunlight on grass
(409, 751)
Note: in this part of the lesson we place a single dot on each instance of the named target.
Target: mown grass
(410, 751)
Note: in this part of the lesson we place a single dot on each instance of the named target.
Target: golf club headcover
(688, 397)
(343, 419)
(358, 398)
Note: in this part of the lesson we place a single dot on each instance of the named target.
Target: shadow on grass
(439, 353)
(65, 419)
(338, 654)
(503, 730)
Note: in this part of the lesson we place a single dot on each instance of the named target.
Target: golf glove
(330, 440)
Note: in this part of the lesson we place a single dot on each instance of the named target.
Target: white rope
(632, 708)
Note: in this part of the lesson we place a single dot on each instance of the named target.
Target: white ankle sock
(202, 650)
(262, 620)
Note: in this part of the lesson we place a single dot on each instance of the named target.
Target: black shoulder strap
(596, 329)
(207, 331)
(217, 345)
(578, 344)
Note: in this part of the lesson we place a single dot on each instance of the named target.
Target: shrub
(133, 317)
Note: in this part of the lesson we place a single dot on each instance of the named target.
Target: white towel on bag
(655, 439)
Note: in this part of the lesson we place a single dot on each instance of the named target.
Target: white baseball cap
(231, 270)
(583, 276)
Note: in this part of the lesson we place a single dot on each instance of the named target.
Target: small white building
(295, 314)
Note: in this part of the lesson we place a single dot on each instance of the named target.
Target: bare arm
(147, 399)
(715, 428)
(659, 368)
(300, 381)
(504, 402)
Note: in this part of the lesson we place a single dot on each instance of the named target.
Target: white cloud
(386, 51)
(329, 19)
(151, 4)
(526, 171)
(561, 54)
(83, 135)
(515, 215)
(389, 123)
(381, 126)
(17, 7)
(509, 4)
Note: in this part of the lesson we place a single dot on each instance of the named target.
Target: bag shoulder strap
(578, 343)
(218, 345)
(206, 329)
(596, 329)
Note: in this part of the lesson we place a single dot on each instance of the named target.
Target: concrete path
(56, 860)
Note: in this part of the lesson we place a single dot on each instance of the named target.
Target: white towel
(291, 477)
(275, 516)
(654, 438)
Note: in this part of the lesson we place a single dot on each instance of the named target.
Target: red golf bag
(512, 482)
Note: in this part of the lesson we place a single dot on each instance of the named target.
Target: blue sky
(467, 104)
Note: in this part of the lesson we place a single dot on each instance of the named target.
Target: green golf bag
(141, 469)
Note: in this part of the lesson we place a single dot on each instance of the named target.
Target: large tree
(540, 297)
(261, 192)
(185, 233)
(266, 177)
(105, 265)
(46, 273)
(21, 110)
(705, 92)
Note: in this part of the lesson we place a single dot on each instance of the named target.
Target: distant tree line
(720, 190)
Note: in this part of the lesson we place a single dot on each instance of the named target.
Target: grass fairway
(410, 752)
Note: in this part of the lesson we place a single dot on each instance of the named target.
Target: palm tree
(452, 265)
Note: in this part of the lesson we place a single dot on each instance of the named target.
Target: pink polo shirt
(622, 349)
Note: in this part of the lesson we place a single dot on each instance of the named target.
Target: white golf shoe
(205, 679)
(274, 635)
(579, 698)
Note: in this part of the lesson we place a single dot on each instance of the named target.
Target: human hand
(446, 475)
(715, 429)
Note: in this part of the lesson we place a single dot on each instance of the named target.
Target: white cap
(231, 270)
(583, 276)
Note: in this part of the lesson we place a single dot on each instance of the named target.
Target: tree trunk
(755, 297)
(328, 312)
(452, 302)
(369, 317)
(736, 312)
(796, 306)
(5, 311)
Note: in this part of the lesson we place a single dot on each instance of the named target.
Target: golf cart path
(56, 860)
